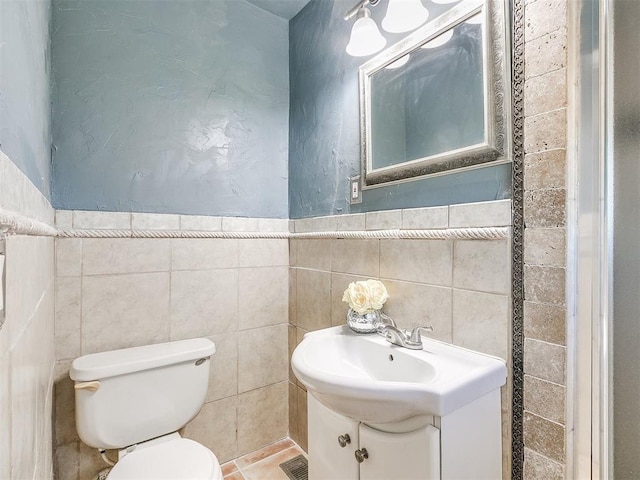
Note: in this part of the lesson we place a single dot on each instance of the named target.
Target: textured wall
(24, 88)
(170, 106)
(283, 8)
(324, 138)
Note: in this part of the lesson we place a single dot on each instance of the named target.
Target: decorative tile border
(517, 244)
(481, 221)
(481, 233)
(488, 233)
(16, 224)
(106, 233)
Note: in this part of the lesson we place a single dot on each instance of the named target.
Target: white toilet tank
(143, 392)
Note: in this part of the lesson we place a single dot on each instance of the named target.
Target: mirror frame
(495, 148)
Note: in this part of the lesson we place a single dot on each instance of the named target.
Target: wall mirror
(436, 101)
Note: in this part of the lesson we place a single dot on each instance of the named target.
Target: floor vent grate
(297, 468)
(102, 474)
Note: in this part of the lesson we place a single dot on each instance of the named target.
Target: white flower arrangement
(365, 296)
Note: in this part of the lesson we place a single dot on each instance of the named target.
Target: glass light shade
(365, 39)
(444, 2)
(439, 40)
(402, 61)
(404, 16)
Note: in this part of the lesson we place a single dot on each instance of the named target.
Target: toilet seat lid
(176, 459)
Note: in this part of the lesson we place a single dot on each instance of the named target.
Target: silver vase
(367, 322)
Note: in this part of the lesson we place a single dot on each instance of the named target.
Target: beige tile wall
(545, 107)
(242, 293)
(117, 293)
(461, 287)
(26, 336)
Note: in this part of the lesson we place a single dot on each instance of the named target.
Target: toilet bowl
(134, 400)
(171, 457)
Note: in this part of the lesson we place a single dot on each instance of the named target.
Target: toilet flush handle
(92, 386)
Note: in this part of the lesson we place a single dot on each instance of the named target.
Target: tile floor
(263, 464)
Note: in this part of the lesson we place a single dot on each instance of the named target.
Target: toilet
(135, 400)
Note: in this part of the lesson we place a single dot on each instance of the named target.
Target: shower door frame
(590, 241)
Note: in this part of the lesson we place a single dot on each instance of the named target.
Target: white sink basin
(366, 378)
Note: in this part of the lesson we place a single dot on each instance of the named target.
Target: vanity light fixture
(365, 38)
(402, 16)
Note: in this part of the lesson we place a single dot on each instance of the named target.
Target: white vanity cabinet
(326, 429)
(423, 414)
(467, 445)
(412, 455)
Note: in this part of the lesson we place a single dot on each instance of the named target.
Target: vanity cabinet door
(413, 455)
(328, 459)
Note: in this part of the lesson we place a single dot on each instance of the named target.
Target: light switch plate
(355, 190)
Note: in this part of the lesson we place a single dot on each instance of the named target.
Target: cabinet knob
(344, 440)
(361, 455)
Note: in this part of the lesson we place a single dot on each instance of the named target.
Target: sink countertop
(366, 378)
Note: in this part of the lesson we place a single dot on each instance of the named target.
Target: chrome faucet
(401, 337)
(385, 321)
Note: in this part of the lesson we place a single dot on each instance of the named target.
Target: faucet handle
(415, 334)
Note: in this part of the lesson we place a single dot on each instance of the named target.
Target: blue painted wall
(25, 110)
(324, 138)
(170, 106)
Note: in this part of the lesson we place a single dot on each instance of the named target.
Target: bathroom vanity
(379, 411)
(463, 445)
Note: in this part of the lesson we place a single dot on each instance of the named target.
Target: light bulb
(365, 39)
(439, 40)
(404, 16)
